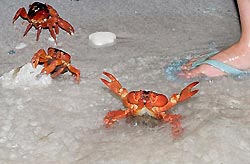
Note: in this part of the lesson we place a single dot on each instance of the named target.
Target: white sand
(62, 123)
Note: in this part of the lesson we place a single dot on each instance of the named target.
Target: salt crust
(25, 77)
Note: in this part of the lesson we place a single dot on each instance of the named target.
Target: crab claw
(187, 93)
(35, 60)
(66, 26)
(114, 85)
(40, 56)
(76, 72)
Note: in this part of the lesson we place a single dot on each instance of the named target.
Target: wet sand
(62, 122)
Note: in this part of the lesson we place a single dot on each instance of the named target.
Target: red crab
(55, 62)
(147, 102)
(43, 16)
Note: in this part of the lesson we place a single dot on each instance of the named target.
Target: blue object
(174, 68)
(217, 64)
(12, 52)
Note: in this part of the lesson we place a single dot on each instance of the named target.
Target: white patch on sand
(20, 46)
(25, 77)
(101, 39)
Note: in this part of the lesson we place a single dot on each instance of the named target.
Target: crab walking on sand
(55, 62)
(43, 16)
(147, 102)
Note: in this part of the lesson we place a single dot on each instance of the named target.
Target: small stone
(11, 52)
(102, 38)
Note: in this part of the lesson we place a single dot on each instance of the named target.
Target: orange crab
(55, 62)
(147, 102)
(43, 16)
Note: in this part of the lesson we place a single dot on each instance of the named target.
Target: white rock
(101, 39)
(21, 46)
(25, 77)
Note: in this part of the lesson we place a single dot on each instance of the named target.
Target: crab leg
(56, 29)
(75, 72)
(58, 72)
(39, 30)
(27, 29)
(62, 23)
(114, 116)
(174, 120)
(52, 33)
(21, 12)
(52, 11)
(51, 67)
